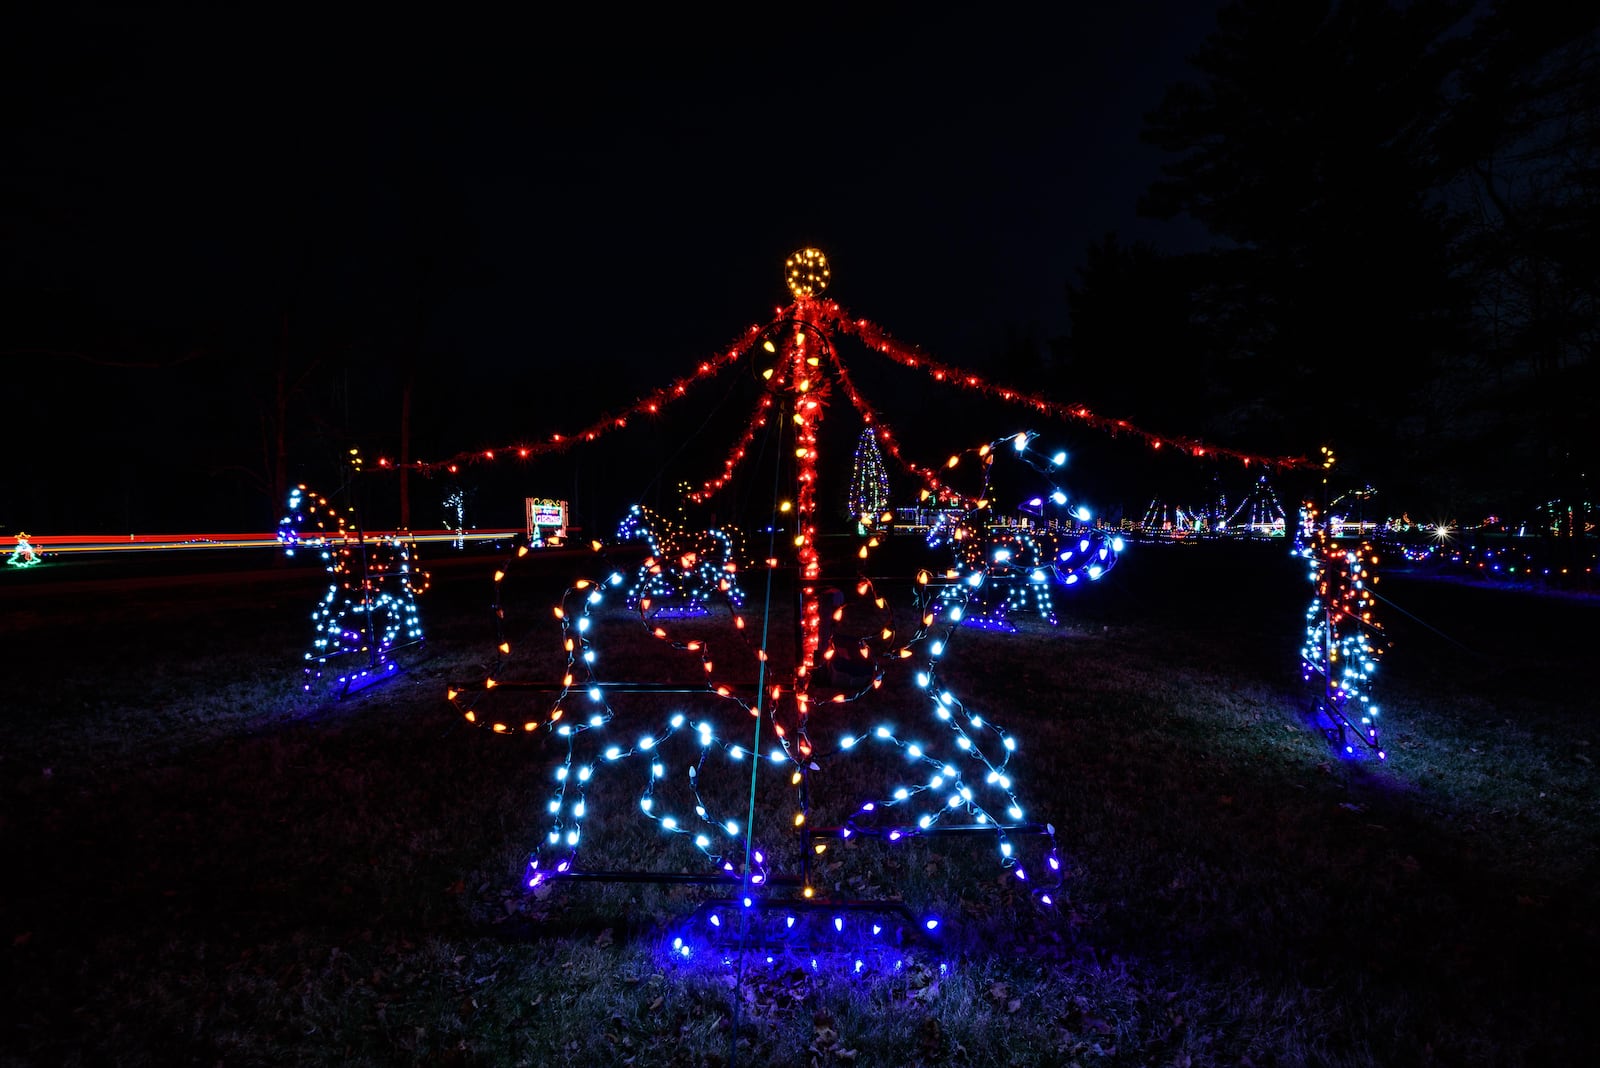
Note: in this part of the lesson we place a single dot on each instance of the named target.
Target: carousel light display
(1339, 651)
(369, 612)
(844, 645)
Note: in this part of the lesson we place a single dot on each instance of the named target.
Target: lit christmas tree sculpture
(25, 554)
(869, 483)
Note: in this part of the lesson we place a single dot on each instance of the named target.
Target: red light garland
(828, 314)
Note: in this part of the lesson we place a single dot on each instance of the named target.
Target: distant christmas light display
(1508, 559)
(1569, 518)
(1213, 511)
(25, 554)
(1339, 652)
(1163, 519)
(1259, 513)
(369, 612)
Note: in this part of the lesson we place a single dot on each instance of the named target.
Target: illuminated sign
(543, 515)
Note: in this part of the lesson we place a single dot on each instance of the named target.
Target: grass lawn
(209, 867)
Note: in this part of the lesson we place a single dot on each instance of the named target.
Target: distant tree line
(1404, 201)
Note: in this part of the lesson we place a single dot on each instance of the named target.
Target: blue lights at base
(680, 611)
(362, 680)
(858, 939)
(805, 925)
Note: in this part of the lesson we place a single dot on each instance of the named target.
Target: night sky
(551, 214)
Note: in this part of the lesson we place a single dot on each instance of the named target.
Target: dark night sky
(573, 207)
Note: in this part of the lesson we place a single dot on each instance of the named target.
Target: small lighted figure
(24, 555)
(455, 517)
(369, 611)
(684, 567)
(1004, 564)
(1342, 640)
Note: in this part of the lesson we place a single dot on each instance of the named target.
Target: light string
(826, 315)
(758, 420)
(651, 404)
(879, 340)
